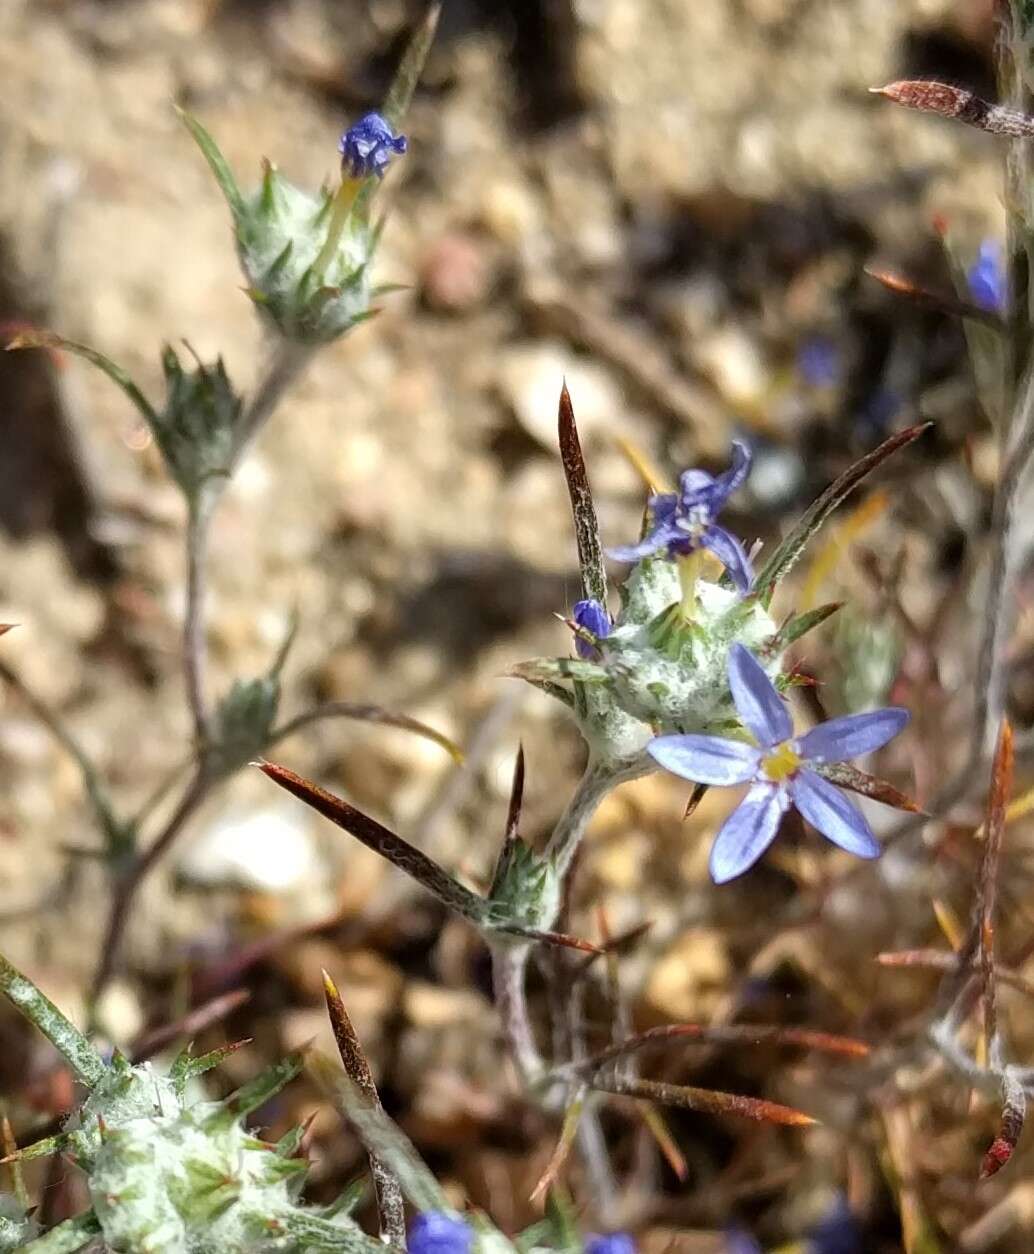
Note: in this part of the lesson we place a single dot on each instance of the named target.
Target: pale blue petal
(724, 545)
(844, 738)
(706, 759)
(747, 832)
(696, 487)
(759, 705)
(829, 811)
(663, 531)
(727, 482)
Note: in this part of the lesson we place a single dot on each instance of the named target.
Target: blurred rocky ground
(670, 204)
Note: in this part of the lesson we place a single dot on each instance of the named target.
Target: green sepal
(525, 891)
(249, 1097)
(67, 1237)
(187, 1067)
(797, 626)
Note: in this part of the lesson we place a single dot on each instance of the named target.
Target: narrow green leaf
(390, 1205)
(789, 552)
(396, 105)
(375, 836)
(61, 1032)
(40, 1149)
(380, 1135)
(267, 1084)
(47, 339)
(67, 1237)
(216, 162)
(317, 1235)
(586, 525)
(550, 669)
(797, 626)
(365, 713)
(548, 687)
(187, 1067)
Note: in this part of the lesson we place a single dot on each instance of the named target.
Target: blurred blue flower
(986, 277)
(367, 147)
(435, 1232)
(819, 361)
(875, 415)
(778, 769)
(739, 1242)
(593, 617)
(610, 1243)
(683, 521)
(837, 1233)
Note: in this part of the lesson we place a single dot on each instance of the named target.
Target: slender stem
(195, 649)
(998, 616)
(598, 780)
(288, 361)
(125, 888)
(509, 970)
(103, 813)
(592, 1145)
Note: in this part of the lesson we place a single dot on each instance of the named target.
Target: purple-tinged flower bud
(610, 1243)
(593, 617)
(435, 1232)
(367, 147)
(986, 278)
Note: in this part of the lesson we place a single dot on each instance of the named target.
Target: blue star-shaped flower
(779, 769)
(684, 521)
(367, 147)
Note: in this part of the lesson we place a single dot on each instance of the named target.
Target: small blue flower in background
(874, 417)
(683, 522)
(837, 1232)
(593, 617)
(778, 769)
(435, 1232)
(819, 362)
(610, 1243)
(367, 147)
(739, 1242)
(986, 277)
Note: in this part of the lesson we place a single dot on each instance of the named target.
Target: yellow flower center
(782, 763)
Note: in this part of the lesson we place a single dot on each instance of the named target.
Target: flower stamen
(781, 764)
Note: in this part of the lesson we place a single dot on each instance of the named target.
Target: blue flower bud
(593, 617)
(610, 1243)
(367, 147)
(986, 278)
(435, 1232)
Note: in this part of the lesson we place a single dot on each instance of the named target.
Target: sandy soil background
(664, 202)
